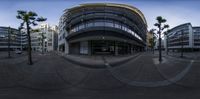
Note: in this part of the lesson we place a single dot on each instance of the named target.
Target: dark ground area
(143, 77)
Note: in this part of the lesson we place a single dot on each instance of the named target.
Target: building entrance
(103, 47)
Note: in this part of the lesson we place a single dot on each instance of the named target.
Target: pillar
(66, 47)
(116, 49)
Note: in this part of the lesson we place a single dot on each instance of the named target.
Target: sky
(175, 11)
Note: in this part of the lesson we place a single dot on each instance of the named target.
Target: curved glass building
(102, 28)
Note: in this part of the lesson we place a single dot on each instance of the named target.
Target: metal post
(153, 43)
(20, 38)
(182, 43)
(9, 34)
(167, 44)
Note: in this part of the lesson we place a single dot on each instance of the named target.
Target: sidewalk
(186, 55)
(98, 61)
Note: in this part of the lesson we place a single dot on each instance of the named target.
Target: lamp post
(9, 34)
(167, 43)
(182, 43)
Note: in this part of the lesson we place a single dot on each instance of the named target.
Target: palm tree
(165, 34)
(152, 40)
(29, 18)
(161, 27)
(42, 37)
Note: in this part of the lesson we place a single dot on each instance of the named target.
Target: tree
(161, 26)
(41, 38)
(29, 18)
(166, 36)
(152, 40)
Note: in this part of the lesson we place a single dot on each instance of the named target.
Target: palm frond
(34, 24)
(33, 14)
(21, 12)
(41, 19)
(19, 17)
(31, 17)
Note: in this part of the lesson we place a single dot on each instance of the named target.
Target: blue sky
(175, 11)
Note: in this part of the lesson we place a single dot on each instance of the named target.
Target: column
(116, 49)
(66, 47)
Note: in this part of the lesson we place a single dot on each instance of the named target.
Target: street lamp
(182, 43)
(9, 34)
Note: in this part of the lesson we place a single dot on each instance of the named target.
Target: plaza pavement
(186, 55)
(142, 77)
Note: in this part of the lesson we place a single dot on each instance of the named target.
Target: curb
(102, 64)
(99, 66)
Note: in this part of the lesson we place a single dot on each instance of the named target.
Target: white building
(184, 36)
(50, 38)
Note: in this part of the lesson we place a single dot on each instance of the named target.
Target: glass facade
(104, 23)
(196, 36)
(185, 35)
(107, 28)
(179, 36)
(17, 39)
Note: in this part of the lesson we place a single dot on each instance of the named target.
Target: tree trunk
(160, 49)
(29, 44)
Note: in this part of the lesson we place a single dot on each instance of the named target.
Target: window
(89, 24)
(98, 23)
(81, 26)
(109, 24)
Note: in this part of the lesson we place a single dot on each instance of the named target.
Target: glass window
(81, 26)
(117, 25)
(98, 23)
(89, 24)
(109, 24)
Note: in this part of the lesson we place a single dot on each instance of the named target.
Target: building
(102, 28)
(196, 37)
(148, 38)
(50, 38)
(17, 39)
(184, 36)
